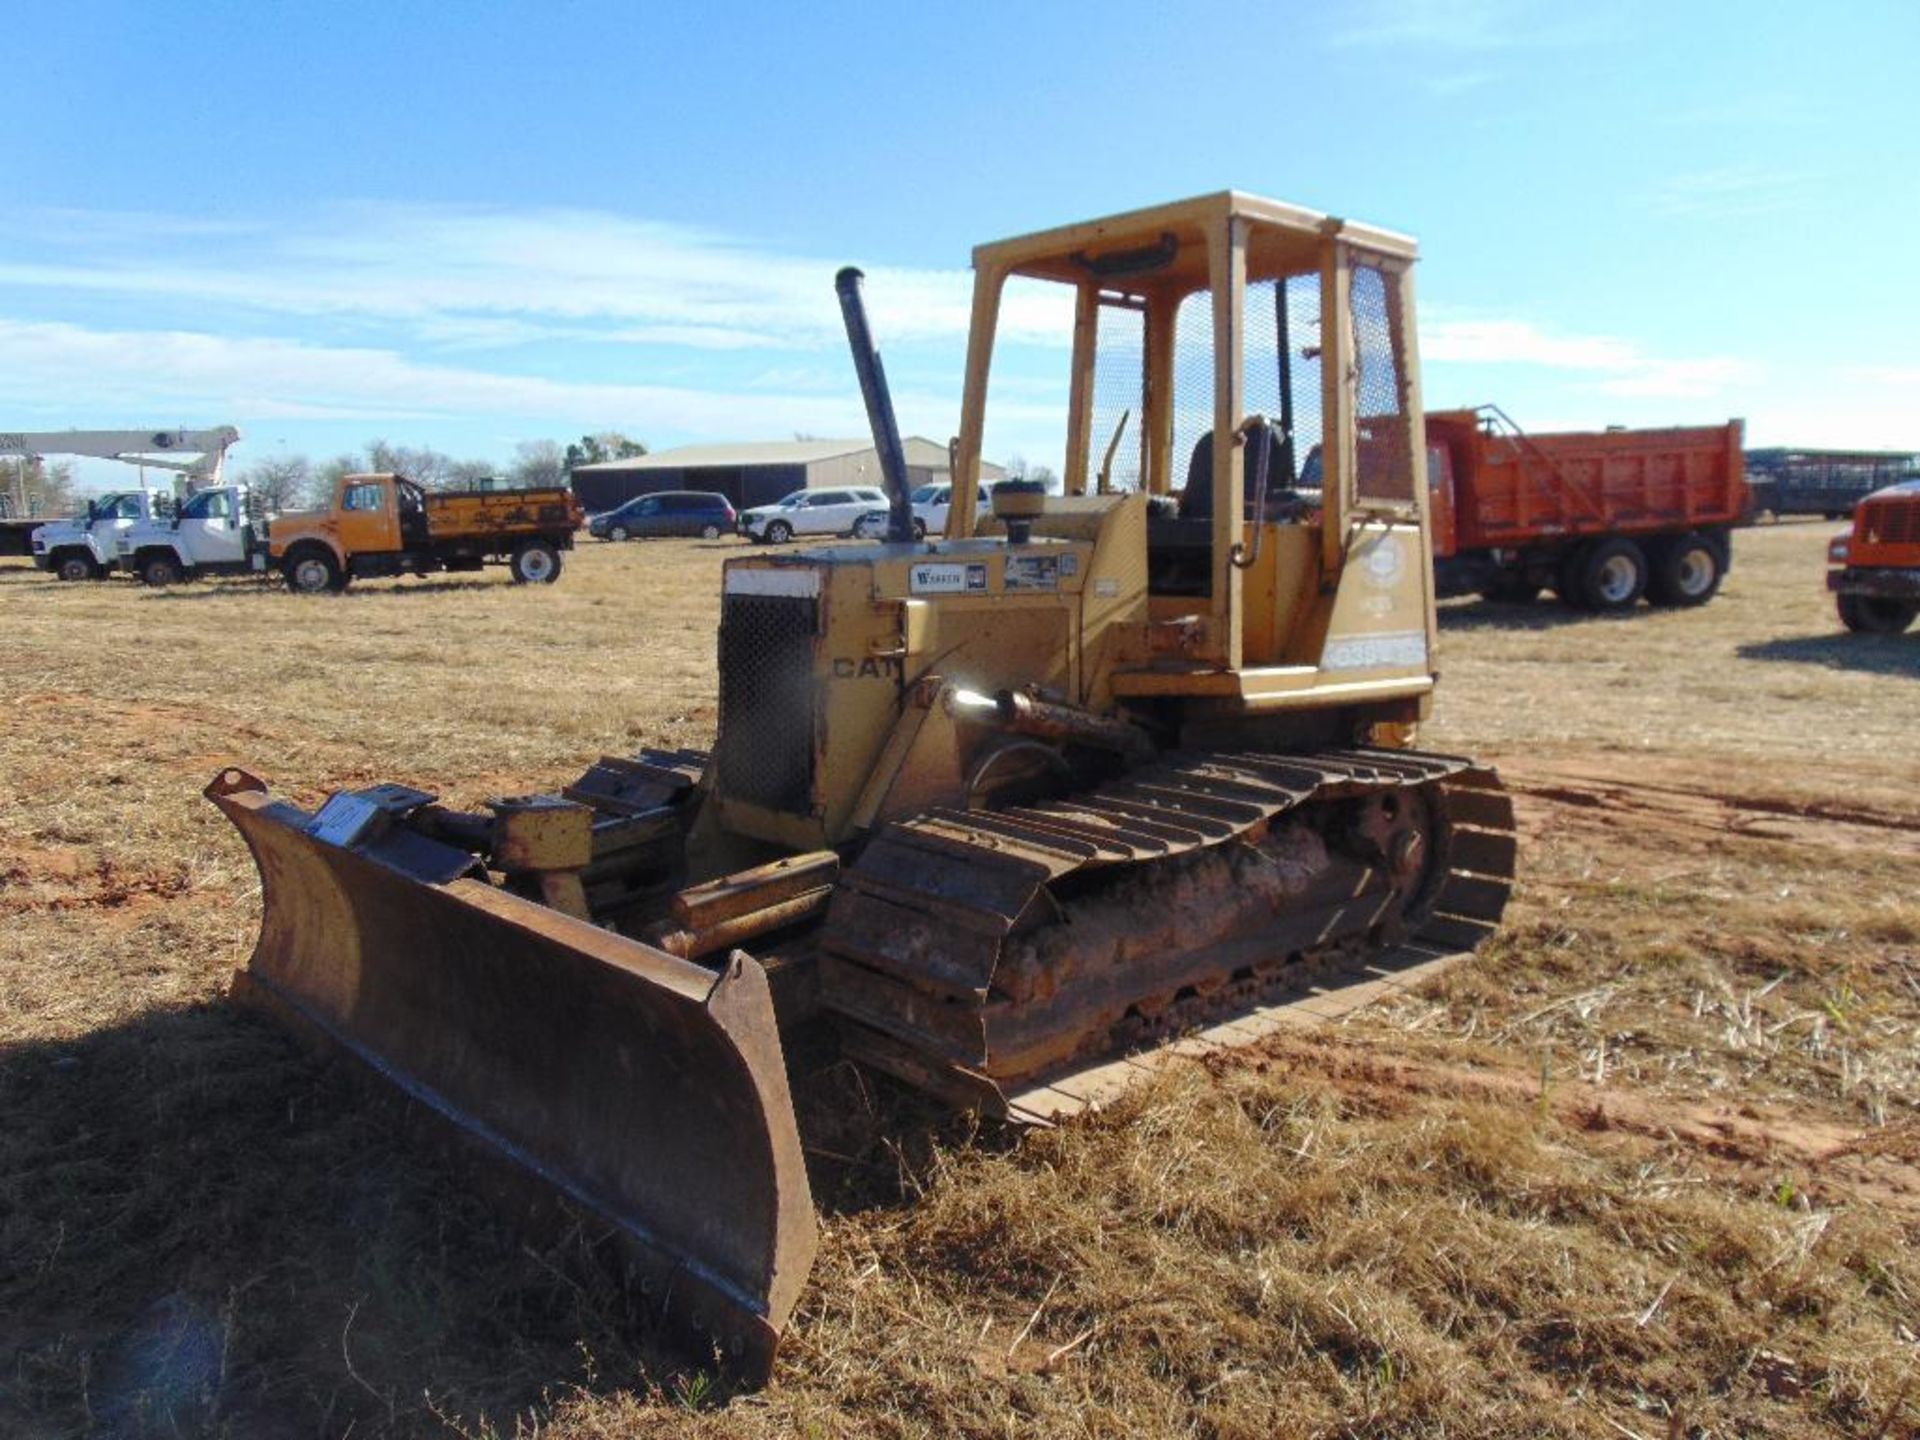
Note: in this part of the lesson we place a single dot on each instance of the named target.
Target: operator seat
(1196, 501)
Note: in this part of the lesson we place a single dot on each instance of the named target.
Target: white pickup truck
(87, 546)
(214, 532)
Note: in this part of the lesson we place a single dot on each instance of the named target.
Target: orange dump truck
(387, 525)
(1601, 517)
(1875, 568)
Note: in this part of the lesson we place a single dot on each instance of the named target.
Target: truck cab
(1874, 569)
(87, 547)
(212, 533)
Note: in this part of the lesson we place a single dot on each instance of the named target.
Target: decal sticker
(1106, 587)
(1384, 561)
(946, 579)
(793, 581)
(1376, 652)
(1033, 572)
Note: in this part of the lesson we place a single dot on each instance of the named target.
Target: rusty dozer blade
(642, 1089)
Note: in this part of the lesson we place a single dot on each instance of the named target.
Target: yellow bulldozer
(1007, 815)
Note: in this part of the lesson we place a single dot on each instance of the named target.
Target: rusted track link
(940, 951)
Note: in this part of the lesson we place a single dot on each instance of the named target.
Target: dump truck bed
(466, 514)
(1511, 490)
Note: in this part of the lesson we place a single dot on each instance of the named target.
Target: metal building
(758, 473)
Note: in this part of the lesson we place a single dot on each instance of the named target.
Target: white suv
(811, 512)
(931, 503)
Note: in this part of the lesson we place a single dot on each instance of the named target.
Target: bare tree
(466, 475)
(284, 482)
(36, 487)
(329, 475)
(539, 462)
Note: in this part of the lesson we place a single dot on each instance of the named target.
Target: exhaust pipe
(880, 417)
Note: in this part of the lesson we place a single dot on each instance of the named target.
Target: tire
(535, 563)
(619, 532)
(160, 571)
(779, 532)
(1875, 614)
(1687, 570)
(76, 565)
(709, 532)
(919, 529)
(313, 571)
(1612, 576)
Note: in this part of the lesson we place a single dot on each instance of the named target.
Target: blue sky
(471, 225)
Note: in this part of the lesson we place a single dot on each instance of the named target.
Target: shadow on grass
(1868, 654)
(1544, 614)
(203, 1230)
(223, 589)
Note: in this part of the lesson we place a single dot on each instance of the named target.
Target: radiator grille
(1892, 522)
(765, 750)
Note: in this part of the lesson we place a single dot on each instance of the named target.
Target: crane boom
(196, 454)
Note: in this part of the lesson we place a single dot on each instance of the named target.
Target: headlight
(1837, 550)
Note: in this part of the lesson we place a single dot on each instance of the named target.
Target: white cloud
(1466, 25)
(477, 276)
(154, 372)
(1514, 342)
(1623, 367)
(1732, 191)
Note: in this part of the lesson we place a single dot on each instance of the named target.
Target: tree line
(34, 486)
(37, 486)
(289, 482)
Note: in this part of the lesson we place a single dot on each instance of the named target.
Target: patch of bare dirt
(1830, 1162)
(1660, 799)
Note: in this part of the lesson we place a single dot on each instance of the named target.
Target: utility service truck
(387, 525)
(217, 531)
(86, 547)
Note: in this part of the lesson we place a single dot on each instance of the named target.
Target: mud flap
(641, 1090)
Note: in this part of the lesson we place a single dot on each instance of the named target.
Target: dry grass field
(1648, 1166)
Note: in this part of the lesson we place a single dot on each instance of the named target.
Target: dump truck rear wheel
(1686, 571)
(1876, 615)
(161, 570)
(536, 563)
(1612, 575)
(313, 572)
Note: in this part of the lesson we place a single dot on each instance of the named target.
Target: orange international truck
(1874, 569)
(388, 525)
(1600, 517)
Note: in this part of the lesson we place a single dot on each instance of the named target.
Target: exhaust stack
(873, 389)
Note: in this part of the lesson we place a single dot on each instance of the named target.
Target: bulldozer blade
(639, 1090)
